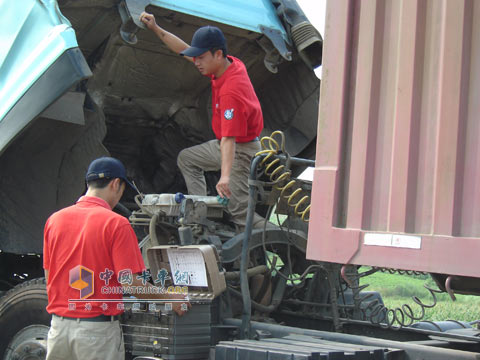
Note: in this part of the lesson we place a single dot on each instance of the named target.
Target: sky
(315, 12)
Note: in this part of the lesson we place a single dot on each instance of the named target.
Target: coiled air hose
(280, 175)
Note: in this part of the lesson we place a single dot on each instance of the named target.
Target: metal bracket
(195, 213)
(276, 38)
(130, 11)
(68, 108)
(274, 54)
(448, 287)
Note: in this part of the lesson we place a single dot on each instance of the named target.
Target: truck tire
(24, 321)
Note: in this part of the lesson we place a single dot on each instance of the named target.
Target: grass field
(398, 289)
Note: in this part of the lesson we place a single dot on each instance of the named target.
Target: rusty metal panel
(397, 146)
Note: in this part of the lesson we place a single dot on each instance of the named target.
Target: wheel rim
(30, 343)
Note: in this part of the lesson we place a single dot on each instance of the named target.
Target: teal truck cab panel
(39, 61)
(249, 15)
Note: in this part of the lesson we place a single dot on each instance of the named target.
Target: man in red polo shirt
(237, 119)
(88, 251)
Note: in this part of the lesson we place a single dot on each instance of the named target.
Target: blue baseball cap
(204, 39)
(107, 168)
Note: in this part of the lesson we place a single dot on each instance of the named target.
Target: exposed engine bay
(277, 269)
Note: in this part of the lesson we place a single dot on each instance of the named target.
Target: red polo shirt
(85, 247)
(236, 110)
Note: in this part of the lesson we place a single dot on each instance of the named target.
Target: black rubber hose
(252, 201)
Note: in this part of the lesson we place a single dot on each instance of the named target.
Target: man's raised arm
(172, 41)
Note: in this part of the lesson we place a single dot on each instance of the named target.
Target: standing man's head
(209, 50)
(106, 179)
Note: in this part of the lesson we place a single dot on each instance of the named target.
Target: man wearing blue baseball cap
(107, 168)
(86, 246)
(237, 118)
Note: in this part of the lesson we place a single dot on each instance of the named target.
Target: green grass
(397, 290)
(277, 219)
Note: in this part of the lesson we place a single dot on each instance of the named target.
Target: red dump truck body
(396, 182)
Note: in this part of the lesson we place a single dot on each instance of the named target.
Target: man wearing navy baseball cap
(204, 39)
(107, 168)
(89, 238)
(237, 118)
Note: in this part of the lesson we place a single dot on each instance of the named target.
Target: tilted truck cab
(73, 89)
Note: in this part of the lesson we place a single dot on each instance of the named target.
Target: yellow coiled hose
(279, 175)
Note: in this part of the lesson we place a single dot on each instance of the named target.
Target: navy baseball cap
(204, 39)
(107, 168)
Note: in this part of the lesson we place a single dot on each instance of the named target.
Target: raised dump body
(397, 174)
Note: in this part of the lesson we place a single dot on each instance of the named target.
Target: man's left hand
(223, 187)
(181, 308)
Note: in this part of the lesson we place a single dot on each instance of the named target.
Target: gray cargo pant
(84, 340)
(194, 160)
